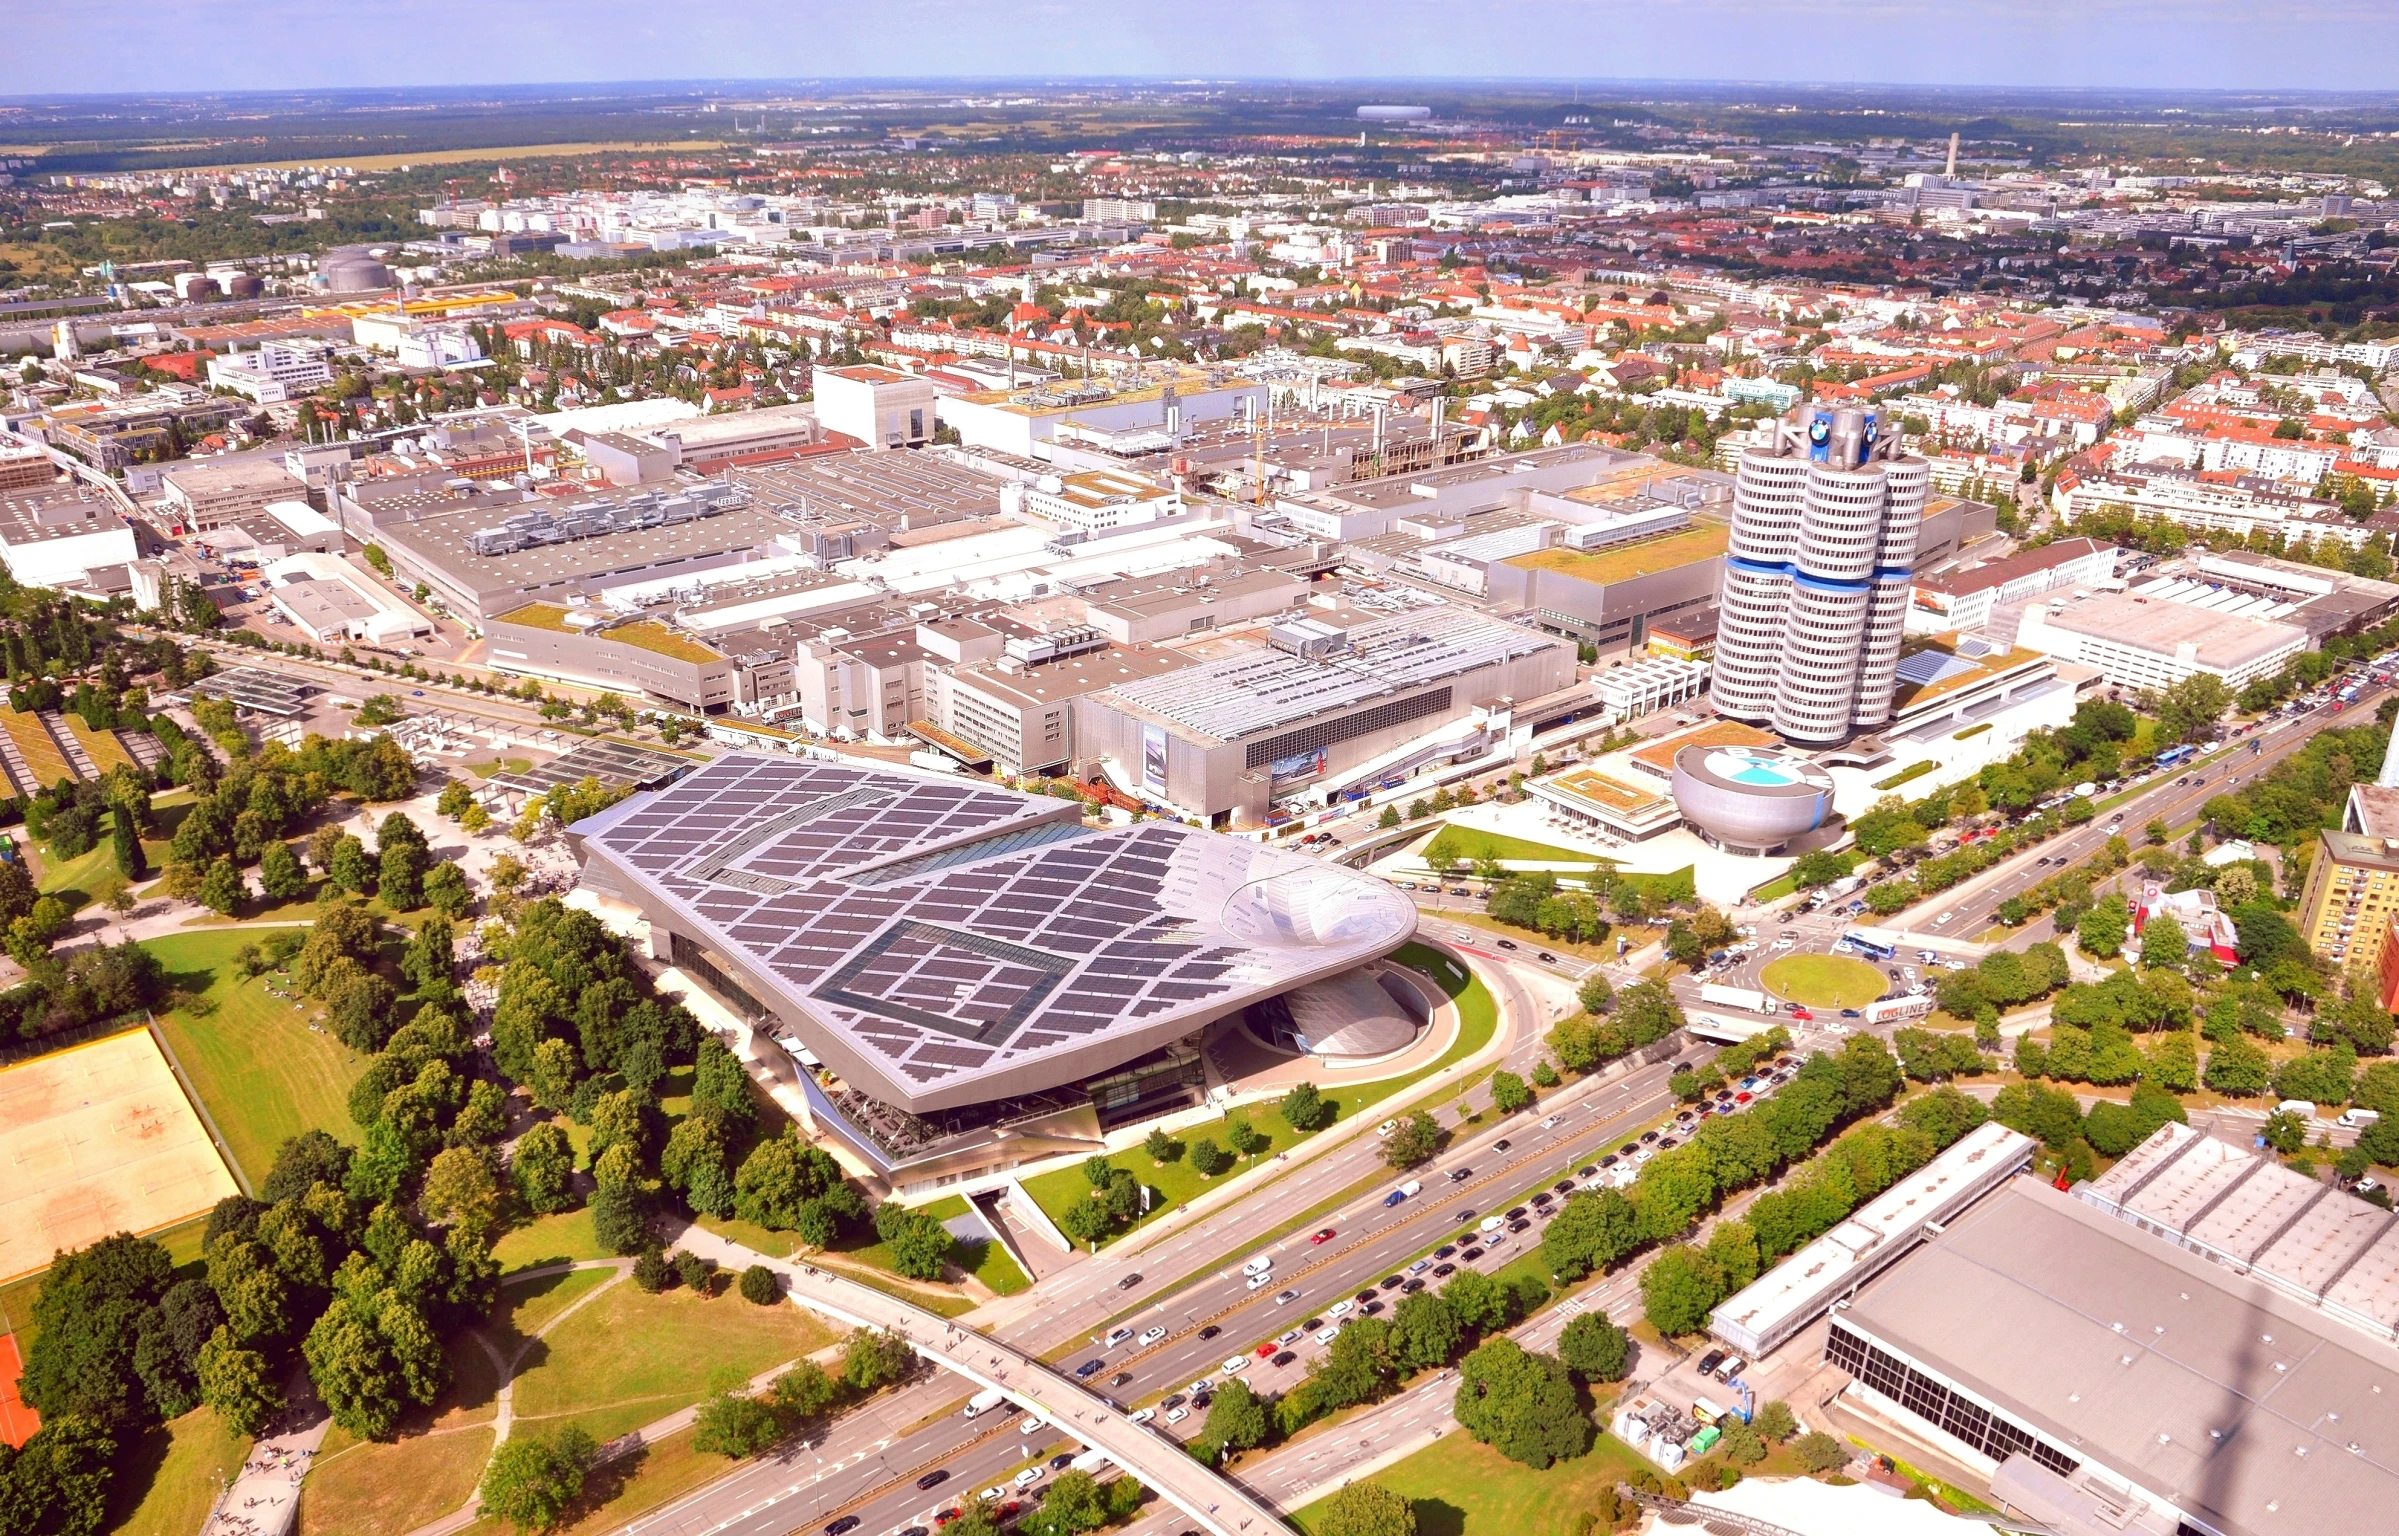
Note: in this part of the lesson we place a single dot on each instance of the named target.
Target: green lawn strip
(627, 1358)
(940, 1303)
(1175, 1183)
(164, 1481)
(1468, 845)
(527, 1305)
(1823, 981)
(1912, 771)
(394, 1487)
(264, 1074)
(1461, 1487)
(763, 1240)
(988, 1260)
(618, 1491)
(1776, 890)
(548, 1240)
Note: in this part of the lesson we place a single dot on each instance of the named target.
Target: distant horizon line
(697, 83)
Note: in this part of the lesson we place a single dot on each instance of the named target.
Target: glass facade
(697, 960)
(1991, 1433)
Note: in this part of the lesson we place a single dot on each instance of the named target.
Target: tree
(531, 1482)
(58, 1483)
(1521, 1405)
(461, 1191)
(2238, 1069)
(873, 1359)
(1245, 1139)
(2163, 944)
(348, 868)
(1508, 1093)
(805, 1390)
(920, 1245)
(1207, 1159)
(1159, 1146)
(1425, 1330)
(1678, 1290)
(238, 1383)
(542, 1166)
(279, 872)
(1595, 1348)
(1366, 1509)
(1304, 1109)
(1236, 1418)
(446, 890)
(371, 1353)
(1412, 1141)
(760, 1287)
(1595, 994)
(1820, 1452)
(221, 889)
(87, 1319)
(2101, 932)
(1776, 1422)
(735, 1425)
(126, 844)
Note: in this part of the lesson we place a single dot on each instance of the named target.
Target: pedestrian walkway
(264, 1498)
(1214, 1503)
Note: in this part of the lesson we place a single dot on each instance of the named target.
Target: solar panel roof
(613, 763)
(269, 693)
(943, 942)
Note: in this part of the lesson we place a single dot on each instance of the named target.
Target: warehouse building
(53, 535)
(1222, 740)
(2155, 642)
(2198, 1341)
(981, 978)
(642, 659)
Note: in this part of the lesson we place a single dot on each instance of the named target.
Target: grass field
(628, 1358)
(1461, 1487)
(617, 1491)
(986, 1260)
(1176, 1181)
(1823, 981)
(262, 1072)
(547, 1239)
(476, 156)
(395, 1487)
(1467, 844)
(171, 1476)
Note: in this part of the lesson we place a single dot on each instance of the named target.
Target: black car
(1128, 1282)
(1609, 1161)
(1507, 943)
(915, 1530)
(1466, 1215)
(1445, 1250)
(1090, 1368)
(1443, 1271)
(1363, 1297)
(1519, 1226)
(1648, 1136)
(1173, 1401)
(1412, 1287)
(1515, 1212)
(1211, 1331)
(1470, 1255)
(1058, 1463)
(1391, 1280)
(1586, 1170)
(1628, 1149)
(1120, 1378)
(1709, 1361)
(1311, 1325)
(1370, 1309)
(1500, 1145)
(1284, 1357)
(1544, 1198)
(839, 1527)
(1563, 1186)
(1455, 1174)
(1199, 1402)
(934, 1478)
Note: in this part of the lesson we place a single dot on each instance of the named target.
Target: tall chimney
(1952, 169)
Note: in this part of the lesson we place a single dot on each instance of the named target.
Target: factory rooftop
(1262, 688)
(942, 943)
(444, 542)
(1624, 562)
(2219, 642)
(2252, 1413)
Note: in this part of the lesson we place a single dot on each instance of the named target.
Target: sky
(105, 46)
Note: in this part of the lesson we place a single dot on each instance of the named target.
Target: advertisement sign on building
(1153, 759)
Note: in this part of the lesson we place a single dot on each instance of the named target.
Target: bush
(759, 1285)
(1820, 1452)
(694, 1271)
(652, 1273)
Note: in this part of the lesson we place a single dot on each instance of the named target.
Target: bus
(1872, 943)
(2174, 757)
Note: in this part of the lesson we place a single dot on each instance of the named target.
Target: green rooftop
(653, 636)
(1605, 567)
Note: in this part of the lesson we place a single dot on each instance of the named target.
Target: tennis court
(98, 1139)
(17, 1420)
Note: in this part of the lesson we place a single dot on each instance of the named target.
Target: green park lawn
(986, 1259)
(1461, 1487)
(1823, 981)
(1467, 845)
(164, 1482)
(1176, 1181)
(626, 1358)
(428, 1468)
(264, 1074)
(615, 1492)
(547, 1240)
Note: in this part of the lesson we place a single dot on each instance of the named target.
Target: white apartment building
(439, 346)
(276, 372)
(2141, 642)
(2240, 507)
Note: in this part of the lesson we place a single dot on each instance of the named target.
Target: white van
(2358, 1119)
(1259, 1265)
(984, 1402)
(2305, 1109)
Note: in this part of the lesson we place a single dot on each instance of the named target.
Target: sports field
(18, 1419)
(94, 1140)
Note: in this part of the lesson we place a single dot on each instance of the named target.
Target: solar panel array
(270, 693)
(613, 763)
(944, 928)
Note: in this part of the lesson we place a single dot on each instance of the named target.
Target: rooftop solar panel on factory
(613, 763)
(944, 942)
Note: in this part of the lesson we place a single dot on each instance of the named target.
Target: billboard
(1153, 759)
(1300, 765)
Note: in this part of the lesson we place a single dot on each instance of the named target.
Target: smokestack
(1952, 168)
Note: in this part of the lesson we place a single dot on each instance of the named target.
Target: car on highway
(1458, 1174)
(1090, 1368)
(1282, 1358)
(1031, 1475)
(944, 1518)
(1117, 1336)
(1286, 1298)
(1266, 1349)
(1235, 1366)
(1386, 1128)
(1339, 1307)
(1470, 1255)
(934, 1478)
(1153, 1335)
(1547, 958)
(1120, 1378)
(1852, 1013)
(1259, 1282)
(912, 1530)
(1128, 1282)
(1507, 943)
(1550, 1124)
(1442, 1271)
(1500, 1145)
(1803, 1015)
(1211, 1331)
(1324, 1236)
(845, 1524)
(1445, 1250)
(1292, 1336)
(1259, 1265)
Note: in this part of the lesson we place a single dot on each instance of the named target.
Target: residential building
(275, 372)
(1966, 599)
(2351, 896)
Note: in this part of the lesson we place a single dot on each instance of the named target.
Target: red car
(1267, 1349)
(1325, 1236)
(1741, 1098)
(1803, 1016)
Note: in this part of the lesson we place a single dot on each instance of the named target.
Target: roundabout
(1823, 981)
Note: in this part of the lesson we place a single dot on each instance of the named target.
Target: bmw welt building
(971, 978)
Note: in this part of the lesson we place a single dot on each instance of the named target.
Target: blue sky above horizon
(200, 45)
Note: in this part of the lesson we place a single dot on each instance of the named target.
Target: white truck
(1891, 1008)
(1746, 998)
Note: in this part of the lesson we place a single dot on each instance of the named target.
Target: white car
(1943, 919)
(1117, 1337)
(1386, 1128)
(1137, 1416)
(1197, 1387)
(1550, 1124)
(1032, 1474)
(1782, 944)
(1153, 1335)
(1177, 1415)
(1326, 1336)
(1291, 1338)
(1953, 965)
(1235, 1366)
(1339, 1307)
(1260, 1282)
(1492, 1223)
(1259, 1265)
